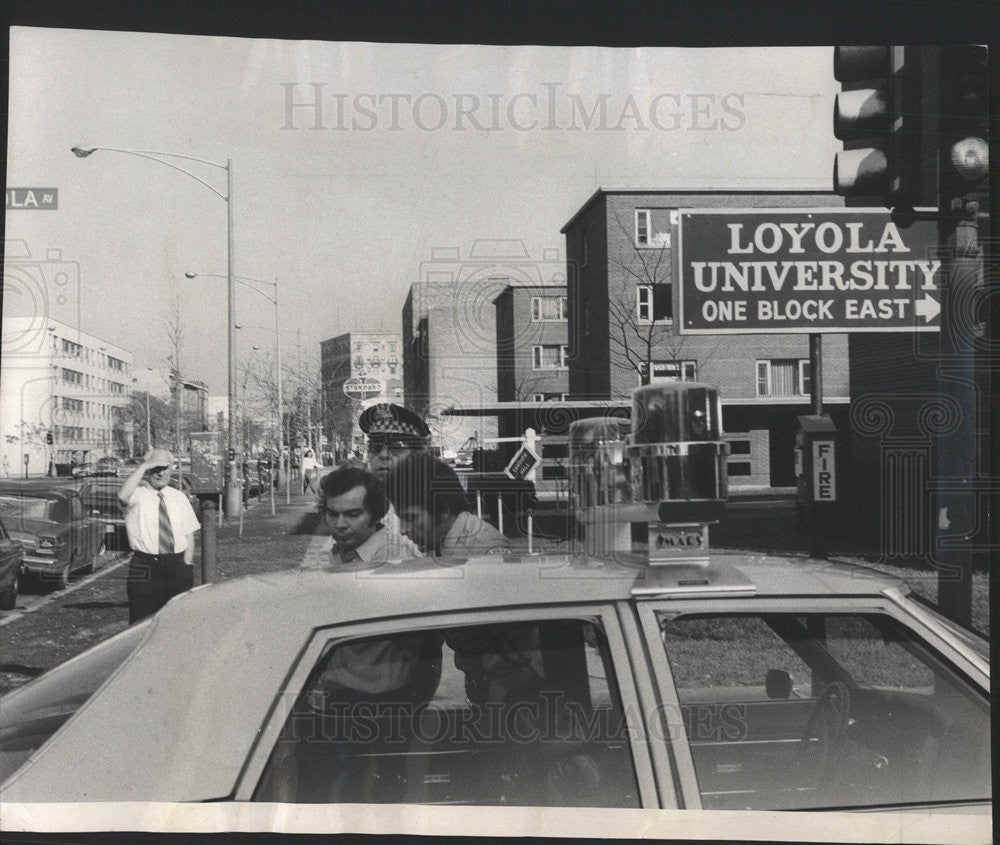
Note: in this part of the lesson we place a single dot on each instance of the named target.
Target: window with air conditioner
(550, 357)
(670, 371)
(652, 227)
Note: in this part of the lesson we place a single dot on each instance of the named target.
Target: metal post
(233, 489)
(208, 539)
(957, 450)
(816, 372)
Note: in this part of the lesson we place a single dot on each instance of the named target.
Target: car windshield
(30, 715)
(13, 508)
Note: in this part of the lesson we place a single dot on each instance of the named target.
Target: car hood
(25, 530)
(182, 728)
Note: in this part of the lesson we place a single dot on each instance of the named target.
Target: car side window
(800, 711)
(524, 714)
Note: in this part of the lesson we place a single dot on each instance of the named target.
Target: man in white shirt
(160, 524)
(353, 504)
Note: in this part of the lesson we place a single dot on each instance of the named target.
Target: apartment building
(362, 354)
(62, 396)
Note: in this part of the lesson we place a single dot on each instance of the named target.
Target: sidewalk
(269, 542)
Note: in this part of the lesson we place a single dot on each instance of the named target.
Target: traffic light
(878, 114)
(964, 122)
(48, 438)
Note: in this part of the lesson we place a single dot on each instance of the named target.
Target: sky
(413, 149)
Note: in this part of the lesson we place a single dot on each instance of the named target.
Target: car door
(521, 707)
(11, 553)
(816, 704)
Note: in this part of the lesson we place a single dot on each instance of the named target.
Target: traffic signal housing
(877, 115)
(964, 123)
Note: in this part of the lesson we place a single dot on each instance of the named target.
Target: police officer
(392, 433)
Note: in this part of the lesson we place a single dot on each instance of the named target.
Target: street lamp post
(250, 282)
(233, 497)
(281, 421)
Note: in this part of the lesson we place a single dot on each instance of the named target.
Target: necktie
(166, 533)
(350, 556)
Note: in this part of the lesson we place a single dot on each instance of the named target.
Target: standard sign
(805, 271)
(363, 388)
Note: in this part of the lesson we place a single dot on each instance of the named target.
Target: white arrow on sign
(928, 308)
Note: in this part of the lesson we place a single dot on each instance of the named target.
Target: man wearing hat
(393, 432)
(160, 524)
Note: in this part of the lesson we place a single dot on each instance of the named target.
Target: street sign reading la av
(743, 271)
(362, 388)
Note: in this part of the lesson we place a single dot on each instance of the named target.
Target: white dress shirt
(142, 519)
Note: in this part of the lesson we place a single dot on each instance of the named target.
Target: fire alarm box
(816, 461)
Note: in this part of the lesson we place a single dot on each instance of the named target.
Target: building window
(783, 377)
(642, 227)
(71, 349)
(652, 227)
(72, 376)
(654, 303)
(670, 371)
(550, 357)
(548, 309)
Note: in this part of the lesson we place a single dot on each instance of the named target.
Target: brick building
(62, 393)
(372, 354)
(620, 300)
(450, 359)
(532, 343)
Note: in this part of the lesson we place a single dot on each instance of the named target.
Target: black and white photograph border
(218, 209)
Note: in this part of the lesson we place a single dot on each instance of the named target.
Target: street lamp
(250, 282)
(233, 489)
(281, 419)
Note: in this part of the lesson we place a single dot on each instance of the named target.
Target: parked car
(11, 559)
(751, 683)
(109, 466)
(127, 466)
(100, 499)
(58, 535)
(84, 470)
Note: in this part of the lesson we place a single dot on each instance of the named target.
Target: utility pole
(963, 168)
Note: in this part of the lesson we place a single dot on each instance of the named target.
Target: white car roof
(188, 702)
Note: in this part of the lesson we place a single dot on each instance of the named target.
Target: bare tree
(634, 339)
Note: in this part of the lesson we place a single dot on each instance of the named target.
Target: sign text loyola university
(805, 271)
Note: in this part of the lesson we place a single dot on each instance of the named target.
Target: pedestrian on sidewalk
(160, 524)
(310, 472)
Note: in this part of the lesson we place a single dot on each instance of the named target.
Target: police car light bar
(666, 468)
